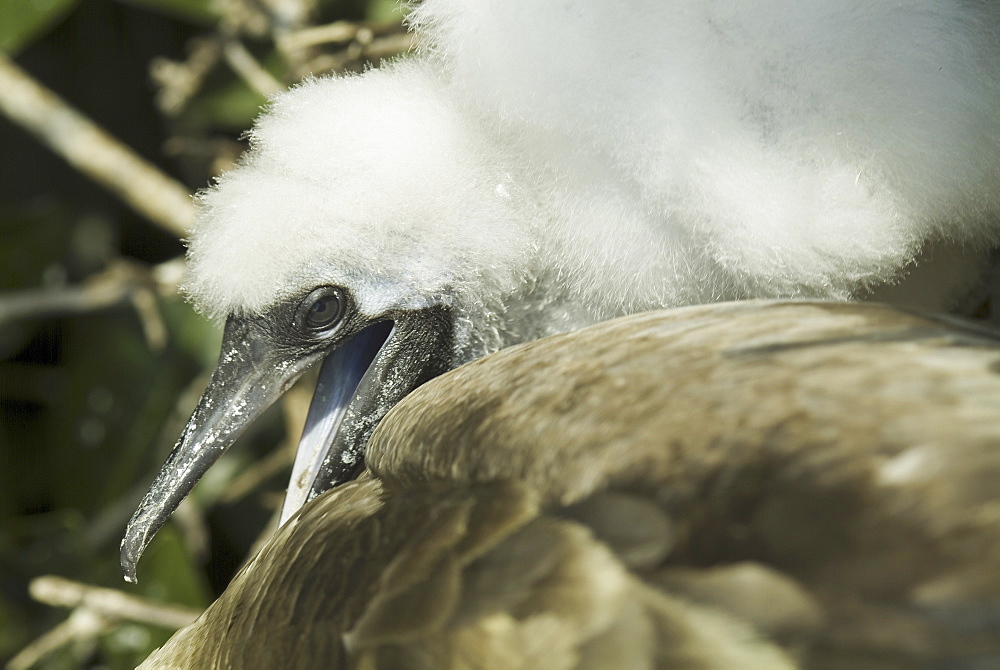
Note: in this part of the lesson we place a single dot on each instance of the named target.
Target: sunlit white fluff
(542, 165)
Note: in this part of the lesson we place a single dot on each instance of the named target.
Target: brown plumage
(744, 485)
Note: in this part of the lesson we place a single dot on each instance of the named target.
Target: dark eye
(321, 310)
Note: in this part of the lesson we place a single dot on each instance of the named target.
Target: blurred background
(100, 360)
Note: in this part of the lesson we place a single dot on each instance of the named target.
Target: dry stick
(254, 476)
(82, 624)
(92, 150)
(95, 609)
(389, 45)
(340, 31)
(178, 82)
(43, 303)
(249, 70)
(122, 281)
(109, 603)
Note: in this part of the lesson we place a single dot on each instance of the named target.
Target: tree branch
(110, 603)
(92, 150)
(249, 70)
(95, 611)
(120, 283)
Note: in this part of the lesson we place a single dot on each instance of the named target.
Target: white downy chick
(537, 167)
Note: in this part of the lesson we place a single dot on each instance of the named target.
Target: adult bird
(538, 168)
(743, 485)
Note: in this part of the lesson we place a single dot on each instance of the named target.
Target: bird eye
(321, 309)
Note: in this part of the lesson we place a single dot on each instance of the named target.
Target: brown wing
(666, 490)
(466, 576)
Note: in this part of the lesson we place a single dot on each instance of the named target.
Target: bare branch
(249, 70)
(148, 310)
(366, 49)
(122, 282)
(251, 479)
(41, 303)
(180, 81)
(388, 45)
(82, 624)
(92, 150)
(331, 33)
(96, 610)
(109, 603)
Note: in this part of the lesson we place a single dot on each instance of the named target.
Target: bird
(754, 484)
(533, 170)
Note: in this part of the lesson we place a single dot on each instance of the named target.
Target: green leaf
(21, 21)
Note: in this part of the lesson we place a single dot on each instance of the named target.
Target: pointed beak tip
(241, 388)
(144, 524)
(128, 567)
(132, 546)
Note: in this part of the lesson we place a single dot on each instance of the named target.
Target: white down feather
(543, 165)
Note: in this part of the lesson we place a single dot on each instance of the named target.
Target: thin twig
(249, 70)
(96, 610)
(178, 82)
(109, 603)
(99, 292)
(121, 283)
(255, 475)
(189, 520)
(82, 624)
(246, 17)
(388, 45)
(92, 150)
(359, 52)
(331, 33)
(167, 276)
(147, 308)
